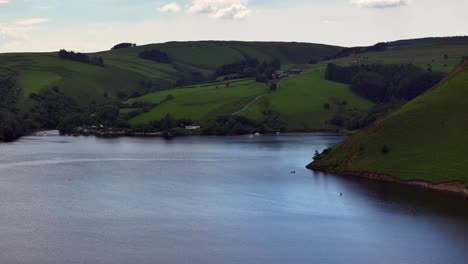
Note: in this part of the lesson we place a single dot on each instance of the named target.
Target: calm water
(211, 200)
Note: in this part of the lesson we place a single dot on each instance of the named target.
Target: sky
(94, 25)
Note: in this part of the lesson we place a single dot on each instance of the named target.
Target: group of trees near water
(107, 114)
(50, 107)
(249, 68)
(384, 83)
(81, 57)
(10, 123)
(155, 55)
(124, 46)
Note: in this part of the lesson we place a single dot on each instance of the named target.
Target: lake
(212, 200)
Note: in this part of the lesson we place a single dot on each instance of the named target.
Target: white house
(192, 127)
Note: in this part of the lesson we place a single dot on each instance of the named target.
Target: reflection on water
(211, 200)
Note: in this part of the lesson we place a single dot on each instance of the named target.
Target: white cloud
(3, 1)
(222, 9)
(170, 8)
(379, 3)
(233, 12)
(31, 21)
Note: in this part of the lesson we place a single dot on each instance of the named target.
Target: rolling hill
(125, 71)
(426, 140)
(126, 78)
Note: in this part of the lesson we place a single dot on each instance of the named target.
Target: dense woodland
(10, 122)
(384, 83)
(81, 57)
(50, 107)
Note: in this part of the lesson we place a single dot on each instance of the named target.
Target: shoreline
(455, 188)
(54, 132)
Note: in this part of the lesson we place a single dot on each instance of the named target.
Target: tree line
(81, 57)
(249, 68)
(124, 46)
(384, 83)
(10, 122)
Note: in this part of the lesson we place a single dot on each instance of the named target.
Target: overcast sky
(92, 25)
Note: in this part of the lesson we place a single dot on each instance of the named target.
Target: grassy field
(300, 100)
(427, 139)
(200, 104)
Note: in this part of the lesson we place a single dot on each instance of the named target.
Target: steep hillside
(426, 140)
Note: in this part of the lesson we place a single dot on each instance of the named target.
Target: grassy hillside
(301, 101)
(427, 139)
(125, 71)
(211, 54)
(200, 103)
(419, 52)
(82, 81)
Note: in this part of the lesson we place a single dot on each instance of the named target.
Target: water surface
(211, 200)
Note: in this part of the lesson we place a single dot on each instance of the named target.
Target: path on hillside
(249, 104)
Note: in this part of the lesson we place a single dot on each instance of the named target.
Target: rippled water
(211, 200)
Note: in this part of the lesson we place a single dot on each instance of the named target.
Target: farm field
(200, 104)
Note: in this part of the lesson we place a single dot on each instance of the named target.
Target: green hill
(426, 140)
(125, 72)
(299, 100)
(304, 102)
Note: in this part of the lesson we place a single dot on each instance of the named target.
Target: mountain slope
(426, 140)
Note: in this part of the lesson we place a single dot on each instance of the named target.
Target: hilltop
(426, 140)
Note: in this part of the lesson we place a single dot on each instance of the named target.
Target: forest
(384, 83)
